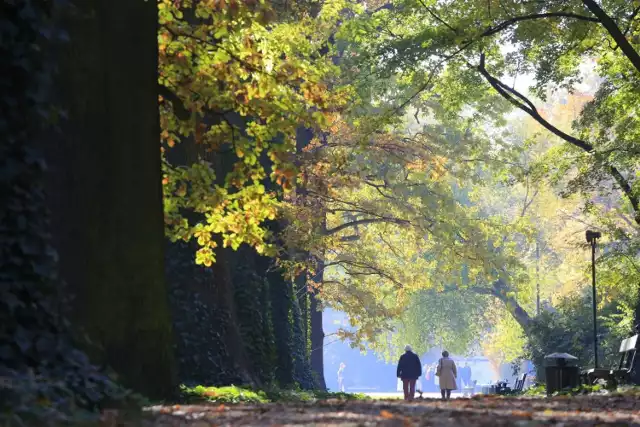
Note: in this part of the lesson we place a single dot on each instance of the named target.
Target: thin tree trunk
(317, 341)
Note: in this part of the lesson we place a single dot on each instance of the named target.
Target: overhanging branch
(615, 32)
(179, 109)
(523, 103)
(509, 22)
(364, 222)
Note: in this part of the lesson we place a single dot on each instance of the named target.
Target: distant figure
(429, 377)
(447, 374)
(426, 370)
(465, 375)
(409, 370)
(341, 377)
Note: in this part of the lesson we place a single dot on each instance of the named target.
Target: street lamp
(592, 237)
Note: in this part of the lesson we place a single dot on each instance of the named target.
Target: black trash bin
(561, 370)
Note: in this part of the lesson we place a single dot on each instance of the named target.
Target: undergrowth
(234, 394)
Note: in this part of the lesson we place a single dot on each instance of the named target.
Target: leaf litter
(485, 411)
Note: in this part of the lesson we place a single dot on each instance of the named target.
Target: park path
(479, 411)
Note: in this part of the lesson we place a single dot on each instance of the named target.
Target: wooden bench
(628, 350)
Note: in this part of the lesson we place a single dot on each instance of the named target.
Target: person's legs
(412, 389)
(443, 392)
(448, 394)
(405, 388)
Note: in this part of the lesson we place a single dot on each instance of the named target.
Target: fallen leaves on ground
(476, 412)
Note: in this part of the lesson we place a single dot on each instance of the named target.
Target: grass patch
(540, 390)
(230, 394)
(234, 394)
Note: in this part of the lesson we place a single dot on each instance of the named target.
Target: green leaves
(249, 82)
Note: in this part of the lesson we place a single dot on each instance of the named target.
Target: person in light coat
(447, 373)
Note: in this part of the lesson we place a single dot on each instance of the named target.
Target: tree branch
(615, 32)
(179, 108)
(509, 22)
(499, 290)
(631, 18)
(437, 18)
(373, 270)
(524, 104)
(363, 222)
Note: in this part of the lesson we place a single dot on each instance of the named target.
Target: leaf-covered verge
(485, 411)
(233, 394)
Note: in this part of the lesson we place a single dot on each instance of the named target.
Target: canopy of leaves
(236, 79)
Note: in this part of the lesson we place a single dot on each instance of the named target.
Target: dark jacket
(409, 366)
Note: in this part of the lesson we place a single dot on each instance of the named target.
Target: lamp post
(592, 237)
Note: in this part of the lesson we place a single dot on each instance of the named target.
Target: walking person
(341, 377)
(447, 374)
(409, 370)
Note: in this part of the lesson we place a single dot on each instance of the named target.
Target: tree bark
(225, 296)
(104, 187)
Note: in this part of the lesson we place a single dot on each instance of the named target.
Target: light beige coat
(447, 374)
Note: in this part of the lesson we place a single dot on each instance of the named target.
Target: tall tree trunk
(317, 334)
(105, 191)
(225, 296)
(303, 138)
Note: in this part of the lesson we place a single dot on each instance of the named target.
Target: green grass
(234, 394)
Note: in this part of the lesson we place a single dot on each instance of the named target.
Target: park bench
(628, 350)
(518, 385)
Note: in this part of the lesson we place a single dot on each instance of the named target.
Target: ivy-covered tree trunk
(314, 316)
(225, 294)
(200, 320)
(281, 299)
(301, 366)
(105, 191)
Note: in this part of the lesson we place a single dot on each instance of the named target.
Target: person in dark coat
(409, 370)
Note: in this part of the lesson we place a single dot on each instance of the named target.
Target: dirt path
(485, 411)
